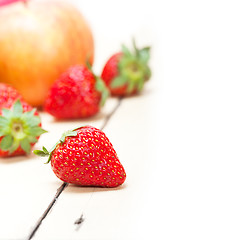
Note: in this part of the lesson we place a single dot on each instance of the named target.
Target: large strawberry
(86, 157)
(125, 72)
(77, 93)
(20, 124)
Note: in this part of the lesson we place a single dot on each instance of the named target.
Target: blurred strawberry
(6, 2)
(8, 95)
(78, 93)
(20, 124)
(125, 72)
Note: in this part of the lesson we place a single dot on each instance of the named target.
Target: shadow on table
(88, 189)
(15, 159)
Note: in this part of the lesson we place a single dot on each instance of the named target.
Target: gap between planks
(64, 185)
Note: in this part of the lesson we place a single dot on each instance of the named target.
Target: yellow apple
(39, 40)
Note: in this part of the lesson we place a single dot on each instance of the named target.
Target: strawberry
(20, 124)
(125, 72)
(6, 2)
(78, 93)
(86, 157)
(8, 95)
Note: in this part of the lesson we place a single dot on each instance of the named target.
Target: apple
(39, 40)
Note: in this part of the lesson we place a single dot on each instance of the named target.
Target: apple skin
(39, 40)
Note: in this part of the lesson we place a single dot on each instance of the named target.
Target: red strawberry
(125, 73)
(86, 157)
(77, 93)
(8, 95)
(20, 124)
(6, 2)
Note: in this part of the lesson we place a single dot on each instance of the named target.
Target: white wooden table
(182, 141)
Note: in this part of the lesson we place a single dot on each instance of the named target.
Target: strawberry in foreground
(20, 124)
(125, 72)
(78, 93)
(86, 157)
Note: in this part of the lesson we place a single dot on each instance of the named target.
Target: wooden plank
(111, 211)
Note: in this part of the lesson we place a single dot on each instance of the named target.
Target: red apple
(39, 40)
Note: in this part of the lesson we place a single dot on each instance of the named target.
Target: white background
(197, 189)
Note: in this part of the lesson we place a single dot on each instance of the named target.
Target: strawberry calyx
(133, 69)
(18, 128)
(44, 152)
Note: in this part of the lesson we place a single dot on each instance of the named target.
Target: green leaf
(4, 126)
(14, 146)
(101, 87)
(5, 131)
(32, 139)
(35, 121)
(6, 142)
(6, 113)
(140, 85)
(17, 109)
(131, 86)
(126, 51)
(48, 160)
(104, 96)
(69, 133)
(118, 81)
(3, 122)
(25, 145)
(36, 131)
(29, 114)
(88, 64)
(148, 73)
(40, 153)
(144, 54)
(45, 150)
(2, 134)
(53, 148)
(30, 119)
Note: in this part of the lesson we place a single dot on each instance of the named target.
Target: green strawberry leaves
(142, 54)
(6, 142)
(101, 87)
(44, 152)
(119, 81)
(133, 69)
(18, 128)
(69, 133)
(25, 145)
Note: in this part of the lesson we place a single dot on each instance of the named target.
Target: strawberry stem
(44, 152)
